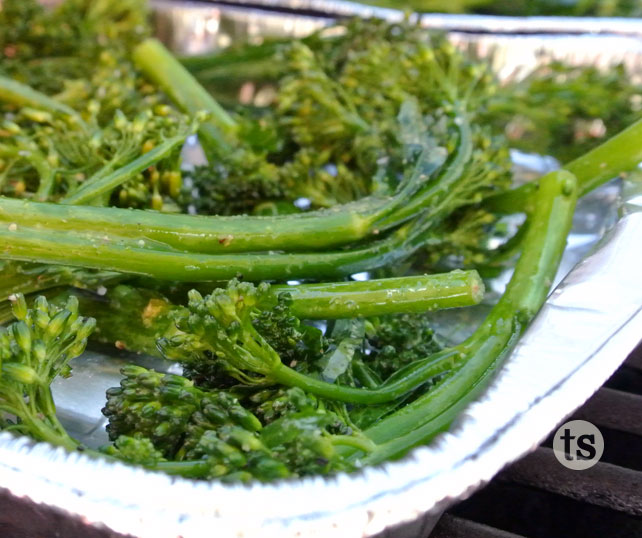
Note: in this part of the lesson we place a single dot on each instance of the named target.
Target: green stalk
(438, 189)
(186, 469)
(25, 278)
(618, 154)
(253, 62)
(225, 72)
(159, 65)
(360, 443)
(27, 150)
(36, 425)
(31, 278)
(37, 245)
(197, 63)
(402, 382)
(21, 95)
(138, 317)
(101, 184)
(384, 296)
(482, 353)
(206, 235)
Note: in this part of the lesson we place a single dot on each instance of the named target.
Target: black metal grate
(538, 498)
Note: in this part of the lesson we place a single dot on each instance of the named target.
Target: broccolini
(375, 155)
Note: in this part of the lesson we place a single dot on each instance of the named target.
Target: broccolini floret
(34, 350)
(396, 341)
(169, 410)
(156, 418)
(67, 138)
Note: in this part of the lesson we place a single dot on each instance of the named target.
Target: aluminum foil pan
(590, 323)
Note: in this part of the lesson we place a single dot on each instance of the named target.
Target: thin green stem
(232, 57)
(620, 153)
(46, 429)
(101, 184)
(27, 150)
(157, 63)
(33, 244)
(364, 375)
(392, 389)
(26, 278)
(481, 354)
(436, 191)
(12, 91)
(360, 443)
(384, 296)
(138, 317)
(206, 235)
(186, 469)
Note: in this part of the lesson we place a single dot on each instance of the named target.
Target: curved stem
(395, 388)
(207, 235)
(100, 184)
(437, 189)
(360, 443)
(484, 350)
(19, 94)
(193, 233)
(618, 154)
(27, 244)
(46, 429)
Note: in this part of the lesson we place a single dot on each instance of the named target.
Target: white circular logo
(578, 445)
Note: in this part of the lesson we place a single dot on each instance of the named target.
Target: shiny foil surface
(589, 324)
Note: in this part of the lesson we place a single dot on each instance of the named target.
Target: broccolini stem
(250, 61)
(46, 173)
(384, 296)
(18, 242)
(31, 278)
(137, 317)
(399, 384)
(618, 154)
(186, 469)
(197, 63)
(482, 353)
(161, 67)
(46, 429)
(100, 184)
(437, 190)
(6, 313)
(206, 235)
(360, 443)
(364, 375)
(12, 91)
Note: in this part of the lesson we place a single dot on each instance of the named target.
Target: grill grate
(451, 526)
(539, 498)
